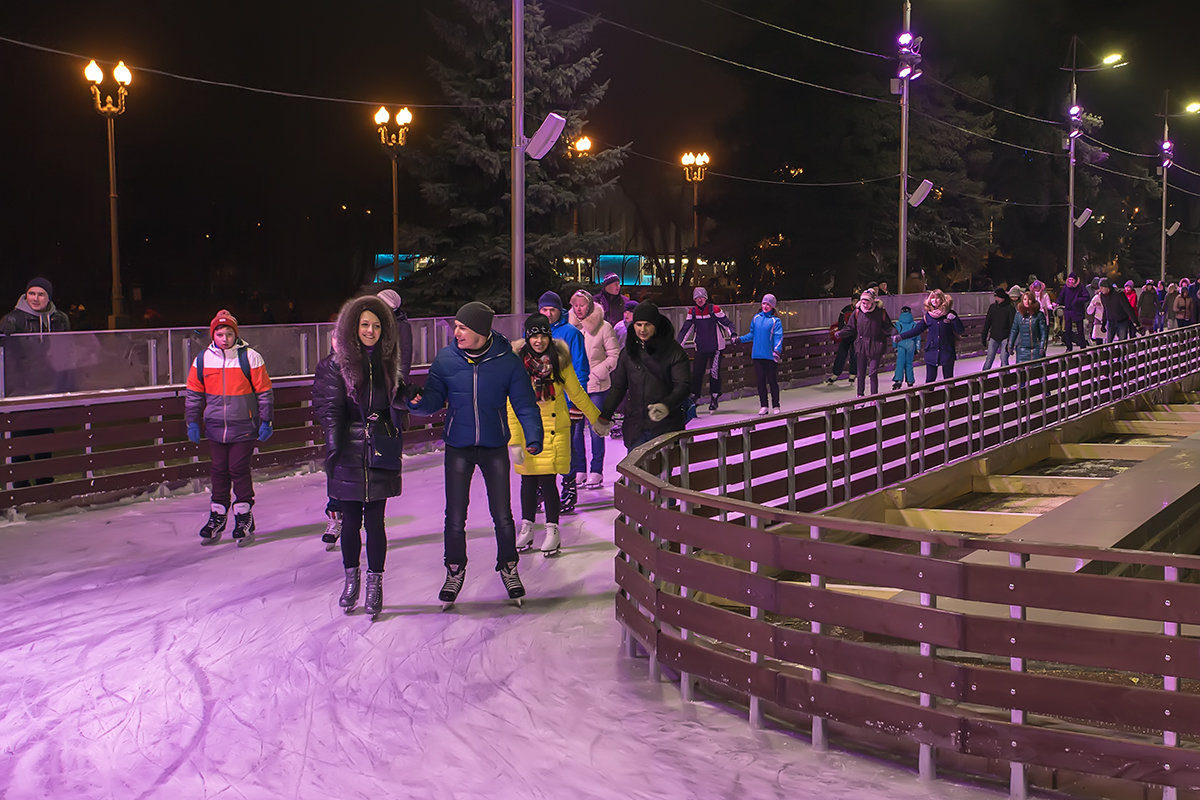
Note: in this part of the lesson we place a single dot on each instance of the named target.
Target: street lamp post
(910, 70)
(694, 167)
(1168, 158)
(109, 111)
(1075, 121)
(391, 141)
(581, 149)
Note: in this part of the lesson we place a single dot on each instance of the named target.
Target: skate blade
(446, 606)
(551, 553)
(348, 610)
(245, 541)
(209, 541)
(517, 601)
(329, 548)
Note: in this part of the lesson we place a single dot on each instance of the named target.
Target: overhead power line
(791, 32)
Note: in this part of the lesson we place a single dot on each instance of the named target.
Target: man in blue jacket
(551, 305)
(476, 376)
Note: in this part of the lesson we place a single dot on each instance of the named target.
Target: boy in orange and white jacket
(228, 387)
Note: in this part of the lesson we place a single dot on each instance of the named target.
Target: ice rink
(135, 663)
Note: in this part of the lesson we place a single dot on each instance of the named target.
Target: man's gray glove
(657, 411)
(602, 426)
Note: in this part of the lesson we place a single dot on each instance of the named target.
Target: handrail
(922, 685)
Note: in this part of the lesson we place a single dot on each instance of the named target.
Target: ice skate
(831, 380)
(455, 575)
(217, 517)
(512, 582)
(243, 526)
(349, 596)
(776, 410)
(895, 385)
(373, 602)
(333, 531)
(762, 412)
(569, 495)
(712, 404)
(550, 545)
(525, 536)
(594, 481)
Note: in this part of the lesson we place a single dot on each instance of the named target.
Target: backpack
(243, 362)
(843, 321)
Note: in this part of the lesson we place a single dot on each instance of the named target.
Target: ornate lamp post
(392, 140)
(694, 167)
(908, 71)
(109, 111)
(1168, 158)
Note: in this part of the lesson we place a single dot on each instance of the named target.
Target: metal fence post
(820, 739)
(152, 359)
(1018, 784)
(927, 758)
(687, 687)
(756, 712)
(1170, 682)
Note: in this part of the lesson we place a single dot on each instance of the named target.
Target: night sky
(214, 178)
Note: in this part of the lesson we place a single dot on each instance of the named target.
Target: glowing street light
(1075, 120)
(392, 139)
(694, 167)
(909, 54)
(1167, 148)
(111, 111)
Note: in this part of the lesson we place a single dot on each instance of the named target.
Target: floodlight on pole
(1167, 148)
(909, 69)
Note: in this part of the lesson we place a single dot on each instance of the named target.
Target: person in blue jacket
(944, 328)
(475, 377)
(906, 350)
(551, 305)
(766, 333)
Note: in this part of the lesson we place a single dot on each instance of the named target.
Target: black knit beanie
(476, 316)
(646, 312)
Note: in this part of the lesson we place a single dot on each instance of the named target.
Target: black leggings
(766, 370)
(529, 492)
(354, 514)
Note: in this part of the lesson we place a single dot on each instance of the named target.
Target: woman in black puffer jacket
(653, 370)
(358, 393)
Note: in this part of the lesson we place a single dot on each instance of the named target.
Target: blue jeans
(460, 468)
(578, 453)
(995, 346)
(1117, 330)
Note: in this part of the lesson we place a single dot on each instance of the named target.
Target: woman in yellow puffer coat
(548, 362)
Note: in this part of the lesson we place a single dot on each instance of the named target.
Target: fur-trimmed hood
(350, 354)
(564, 352)
(592, 322)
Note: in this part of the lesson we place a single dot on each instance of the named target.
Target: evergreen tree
(464, 172)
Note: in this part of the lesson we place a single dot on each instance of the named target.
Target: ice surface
(135, 663)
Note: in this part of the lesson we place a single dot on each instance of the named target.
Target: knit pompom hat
(223, 319)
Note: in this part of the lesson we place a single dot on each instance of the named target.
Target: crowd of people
(600, 365)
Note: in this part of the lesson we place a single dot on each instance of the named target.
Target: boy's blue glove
(264, 431)
(194, 432)
(533, 448)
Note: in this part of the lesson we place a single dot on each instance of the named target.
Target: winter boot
(895, 385)
(349, 596)
(832, 379)
(333, 530)
(569, 495)
(712, 404)
(525, 536)
(512, 581)
(550, 544)
(594, 481)
(373, 603)
(455, 575)
(243, 524)
(217, 516)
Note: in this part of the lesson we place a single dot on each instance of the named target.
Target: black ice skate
(569, 495)
(455, 575)
(217, 517)
(243, 527)
(512, 582)
(712, 404)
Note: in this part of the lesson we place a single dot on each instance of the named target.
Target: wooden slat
(1151, 428)
(1087, 450)
(1034, 484)
(992, 523)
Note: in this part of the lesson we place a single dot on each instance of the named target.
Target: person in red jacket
(229, 390)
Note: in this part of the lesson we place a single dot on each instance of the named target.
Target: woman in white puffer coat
(603, 349)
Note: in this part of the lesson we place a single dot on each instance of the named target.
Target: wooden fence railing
(91, 447)
(1061, 677)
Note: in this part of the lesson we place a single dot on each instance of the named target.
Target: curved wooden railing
(1051, 676)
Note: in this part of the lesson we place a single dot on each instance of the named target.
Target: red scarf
(541, 374)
